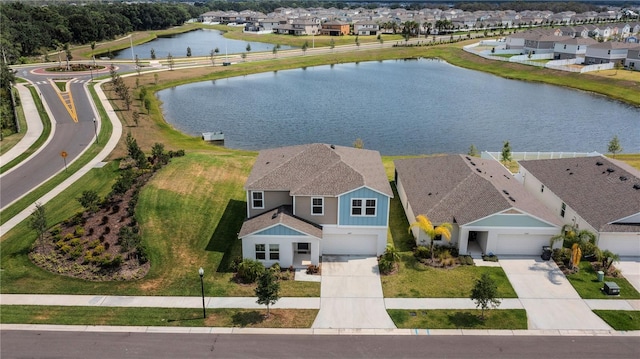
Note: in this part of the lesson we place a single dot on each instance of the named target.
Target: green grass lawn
(415, 280)
(620, 319)
(459, 319)
(586, 284)
(176, 317)
(189, 214)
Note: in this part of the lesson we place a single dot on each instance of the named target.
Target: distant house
(542, 44)
(299, 27)
(365, 28)
(606, 52)
(490, 211)
(335, 28)
(593, 193)
(632, 62)
(310, 200)
(572, 48)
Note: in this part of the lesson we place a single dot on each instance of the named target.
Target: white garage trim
(520, 244)
(349, 244)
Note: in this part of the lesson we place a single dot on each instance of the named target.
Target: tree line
(29, 30)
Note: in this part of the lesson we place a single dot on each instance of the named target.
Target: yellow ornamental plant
(423, 223)
(576, 254)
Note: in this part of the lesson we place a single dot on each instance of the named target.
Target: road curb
(311, 331)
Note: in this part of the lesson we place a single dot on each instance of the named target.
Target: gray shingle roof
(464, 189)
(318, 169)
(599, 196)
(281, 215)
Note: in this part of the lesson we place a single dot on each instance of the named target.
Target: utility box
(611, 288)
(546, 253)
(600, 276)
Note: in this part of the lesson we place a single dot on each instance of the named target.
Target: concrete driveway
(351, 294)
(548, 297)
(630, 268)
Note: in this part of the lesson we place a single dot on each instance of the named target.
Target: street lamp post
(95, 129)
(204, 310)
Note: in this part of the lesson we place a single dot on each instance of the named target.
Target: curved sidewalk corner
(109, 146)
(34, 126)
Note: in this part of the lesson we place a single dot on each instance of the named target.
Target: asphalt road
(46, 344)
(69, 136)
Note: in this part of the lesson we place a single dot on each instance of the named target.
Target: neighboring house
(490, 211)
(572, 48)
(593, 193)
(606, 52)
(365, 28)
(542, 44)
(632, 62)
(299, 27)
(335, 28)
(309, 200)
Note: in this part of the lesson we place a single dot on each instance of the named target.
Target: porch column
(463, 241)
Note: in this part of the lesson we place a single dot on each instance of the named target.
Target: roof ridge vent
(610, 170)
(599, 163)
(505, 192)
(512, 199)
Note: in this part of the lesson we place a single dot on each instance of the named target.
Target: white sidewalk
(34, 126)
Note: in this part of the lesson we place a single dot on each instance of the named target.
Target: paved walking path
(34, 126)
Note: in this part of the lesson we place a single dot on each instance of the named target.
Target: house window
(260, 251)
(438, 237)
(257, 200)
(317, 206)
(363, 207)
(541, 188)
(563, 209)
(274, 252)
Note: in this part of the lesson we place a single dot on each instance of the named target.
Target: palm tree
(423, 223)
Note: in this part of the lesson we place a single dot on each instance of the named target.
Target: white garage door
(621, 246)
(523, 244)
(349, 244)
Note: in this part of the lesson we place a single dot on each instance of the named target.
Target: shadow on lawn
(465, 320)
(225, 237)
(244, 319)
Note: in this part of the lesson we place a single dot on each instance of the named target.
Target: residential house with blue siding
(312, 200)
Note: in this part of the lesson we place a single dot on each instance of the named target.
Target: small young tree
(268, 289)
(136, 117)
(506, 152)
(153, 54)
(188, 51)
(155, 79)
(212, 57)
(614, 146)
(170, 61)
(38, 221)
(473, 151)
(484, 293)
(358, 143)
(248, 48)
(305, 46)
(89, 200)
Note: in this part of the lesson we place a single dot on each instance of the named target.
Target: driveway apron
(548, 297)
(351, 294)
(630, 268)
